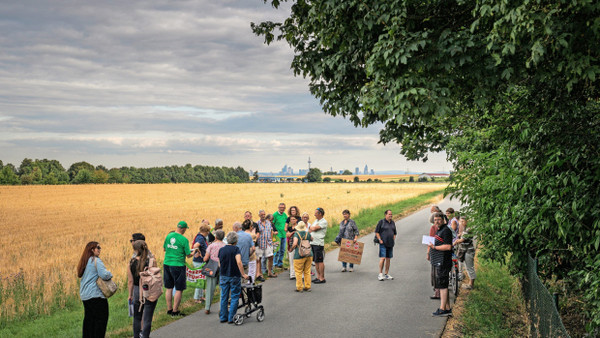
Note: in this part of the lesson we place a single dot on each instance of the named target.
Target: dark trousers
(144, 316)
(95, 317)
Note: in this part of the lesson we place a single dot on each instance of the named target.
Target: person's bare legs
(320, 267)
(177, 300)
(387, 265)
(381, 261)
(258, 268)
(270, 266)
(444, 304)
(169, 299)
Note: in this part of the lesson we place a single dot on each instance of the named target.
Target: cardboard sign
(351, 252)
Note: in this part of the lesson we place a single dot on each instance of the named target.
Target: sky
(156, 83)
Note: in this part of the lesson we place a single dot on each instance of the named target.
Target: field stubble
(45, 228)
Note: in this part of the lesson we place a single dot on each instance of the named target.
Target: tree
(83, 176)
(411, 178)
(8, 175)
(356, 179)
(347, 172)
(327, 179)
(313, 175)
(508, 89)
(76, 167)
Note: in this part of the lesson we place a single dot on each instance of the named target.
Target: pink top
(213, 250)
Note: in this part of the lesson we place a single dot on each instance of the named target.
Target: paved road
(350, 304)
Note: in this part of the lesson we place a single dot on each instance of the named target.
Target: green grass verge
(68, 322)
(495, 307)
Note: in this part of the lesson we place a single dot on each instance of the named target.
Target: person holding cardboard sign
(348, 230)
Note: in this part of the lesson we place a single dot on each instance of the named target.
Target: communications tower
(309, 162)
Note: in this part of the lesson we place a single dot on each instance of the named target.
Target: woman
(305, 217)
(290, 229)
(348, 230)
(301, 264)
(200, 247)
(248, 228)
(142, 259)
(212, 252)
(95, 305)
(466, 240)
(231, 269)
(453, 222)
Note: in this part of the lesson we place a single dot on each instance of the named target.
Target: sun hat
(301, 226)
(182, 225)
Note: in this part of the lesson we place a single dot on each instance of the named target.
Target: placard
(194, 276)
(351, 252)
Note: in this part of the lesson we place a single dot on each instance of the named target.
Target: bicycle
(454, 284)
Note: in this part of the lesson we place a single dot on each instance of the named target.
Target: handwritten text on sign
(194, 275)
(351, 252)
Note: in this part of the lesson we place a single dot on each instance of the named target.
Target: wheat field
(45, 228)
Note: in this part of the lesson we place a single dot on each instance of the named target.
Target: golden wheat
(45, 228)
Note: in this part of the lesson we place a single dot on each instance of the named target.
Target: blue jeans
(344, 265)
(278, 259)
(233, 285)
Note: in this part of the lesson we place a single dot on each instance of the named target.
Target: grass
(494, 308)
(67, 322)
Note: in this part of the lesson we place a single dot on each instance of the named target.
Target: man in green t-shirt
(177, 248)
(279, 219)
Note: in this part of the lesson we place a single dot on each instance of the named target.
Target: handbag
(210, 269)
(108, 287)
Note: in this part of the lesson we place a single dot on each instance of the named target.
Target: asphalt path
(350, 304)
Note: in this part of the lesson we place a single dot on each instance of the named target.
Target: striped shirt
(442, 258)
(265, 237)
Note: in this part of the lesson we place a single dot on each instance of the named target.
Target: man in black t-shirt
(441, 260)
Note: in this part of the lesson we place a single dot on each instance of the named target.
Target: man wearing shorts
(386, 234)
(317, 231)
(441, 260)
(265, 245)
(177, 248)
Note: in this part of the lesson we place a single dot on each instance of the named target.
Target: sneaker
(318, 281)
(169, 312)
(292, 277)
(442, 313)
(388, 277)
(177, 314)
(380, 277)
(298, 290)
(307, 289)
(351, 270)
(344, 270)
(315, 280)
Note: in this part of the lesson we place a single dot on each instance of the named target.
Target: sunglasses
(98, 247)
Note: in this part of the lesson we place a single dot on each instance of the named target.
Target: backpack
(304, 248)
(150, 283)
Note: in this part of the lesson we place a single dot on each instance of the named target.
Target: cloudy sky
(153, 83)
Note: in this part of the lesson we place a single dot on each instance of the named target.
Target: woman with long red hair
(95, 305)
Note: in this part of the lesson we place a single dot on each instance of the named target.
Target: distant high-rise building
(356, 171)
(284, 170)
(372, 172)
(366, 172)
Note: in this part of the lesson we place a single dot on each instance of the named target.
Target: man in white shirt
(318, 230)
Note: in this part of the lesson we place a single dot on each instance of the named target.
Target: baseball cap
(182, 225)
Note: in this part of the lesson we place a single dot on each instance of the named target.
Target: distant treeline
(52, 172)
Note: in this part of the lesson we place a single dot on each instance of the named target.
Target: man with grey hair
(265, 245)
(231, 269)
(244, 243)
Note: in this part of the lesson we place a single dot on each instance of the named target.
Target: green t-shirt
(301, 235)
(177, 248)
(279, 221)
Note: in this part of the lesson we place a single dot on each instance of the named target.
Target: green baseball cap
(182, 225)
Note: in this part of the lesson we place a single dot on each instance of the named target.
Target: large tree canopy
(509, 89)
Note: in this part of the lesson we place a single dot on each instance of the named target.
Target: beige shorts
(268, 252)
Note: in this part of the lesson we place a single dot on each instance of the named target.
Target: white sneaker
(388, 277)
(380, 277)
(344, 270)
(350, 270)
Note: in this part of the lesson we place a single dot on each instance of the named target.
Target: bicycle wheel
(454, 280)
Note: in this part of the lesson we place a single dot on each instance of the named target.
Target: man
(248, 216)
(385, 231)
(279, 219)
(244, 243)
(231, 271)
(265, 245)
(177, 248)
(441, 259)
(317, 231)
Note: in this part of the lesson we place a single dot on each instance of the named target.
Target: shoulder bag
(108, 287)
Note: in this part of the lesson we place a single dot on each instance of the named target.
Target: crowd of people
(253, 249)
(451, 236)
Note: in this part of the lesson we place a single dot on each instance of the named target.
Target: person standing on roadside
(386, 234)
(248, 217)
(453, 222)
(279, 219)
(348, 230)
(466, 240)
(432, 231)
(302, 264)
(231, 272)
(245, 244)
(177, 248)
(212, 252)
(200, 245)
(247, 227)
(142, 320)
(290, 229)
(95, 305)
(441, 259)
(318, 230)
(265, 245)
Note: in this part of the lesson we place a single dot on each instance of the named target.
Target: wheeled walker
(250, 298)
